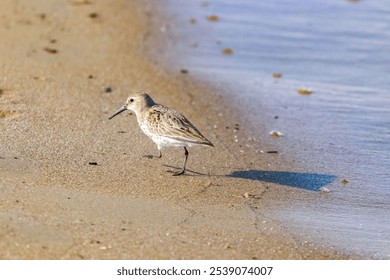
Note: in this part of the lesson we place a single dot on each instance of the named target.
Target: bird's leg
(152, 156)
(180, 172)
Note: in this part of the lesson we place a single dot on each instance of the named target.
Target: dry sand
(65, 67)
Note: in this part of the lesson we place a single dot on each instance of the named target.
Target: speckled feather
(165, 122)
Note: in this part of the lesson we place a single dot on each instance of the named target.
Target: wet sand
(74, 185)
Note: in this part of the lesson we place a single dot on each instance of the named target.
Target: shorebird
(165, 126)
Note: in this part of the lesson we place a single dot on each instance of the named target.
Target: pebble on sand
(213, 18)
(227, 51)
(50, 50)
(93, 15)
(276, 134)
(344, 181)
(277, 75)
(305, 91)
(324, 190)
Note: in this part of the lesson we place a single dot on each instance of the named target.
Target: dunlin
(165, 126)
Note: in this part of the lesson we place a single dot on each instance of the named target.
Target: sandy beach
(74, 185)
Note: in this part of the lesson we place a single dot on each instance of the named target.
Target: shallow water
(340, 50)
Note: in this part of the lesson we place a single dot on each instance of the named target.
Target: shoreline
(56, 205)
(321, 132)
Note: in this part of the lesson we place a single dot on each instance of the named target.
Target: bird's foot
(180, 172)
(151, 156)
(148, 156)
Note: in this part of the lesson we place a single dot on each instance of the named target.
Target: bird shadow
(307, 181)
(301, 180)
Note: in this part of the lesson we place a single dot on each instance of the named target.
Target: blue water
(339, 49)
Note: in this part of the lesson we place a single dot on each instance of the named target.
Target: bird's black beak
(122, 109)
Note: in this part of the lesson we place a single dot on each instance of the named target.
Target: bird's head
(136, 102)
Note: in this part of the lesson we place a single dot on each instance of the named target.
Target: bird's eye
(132, 100)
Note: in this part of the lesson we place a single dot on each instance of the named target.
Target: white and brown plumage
(165, 126)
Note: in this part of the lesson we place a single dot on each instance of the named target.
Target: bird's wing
(170, 123)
